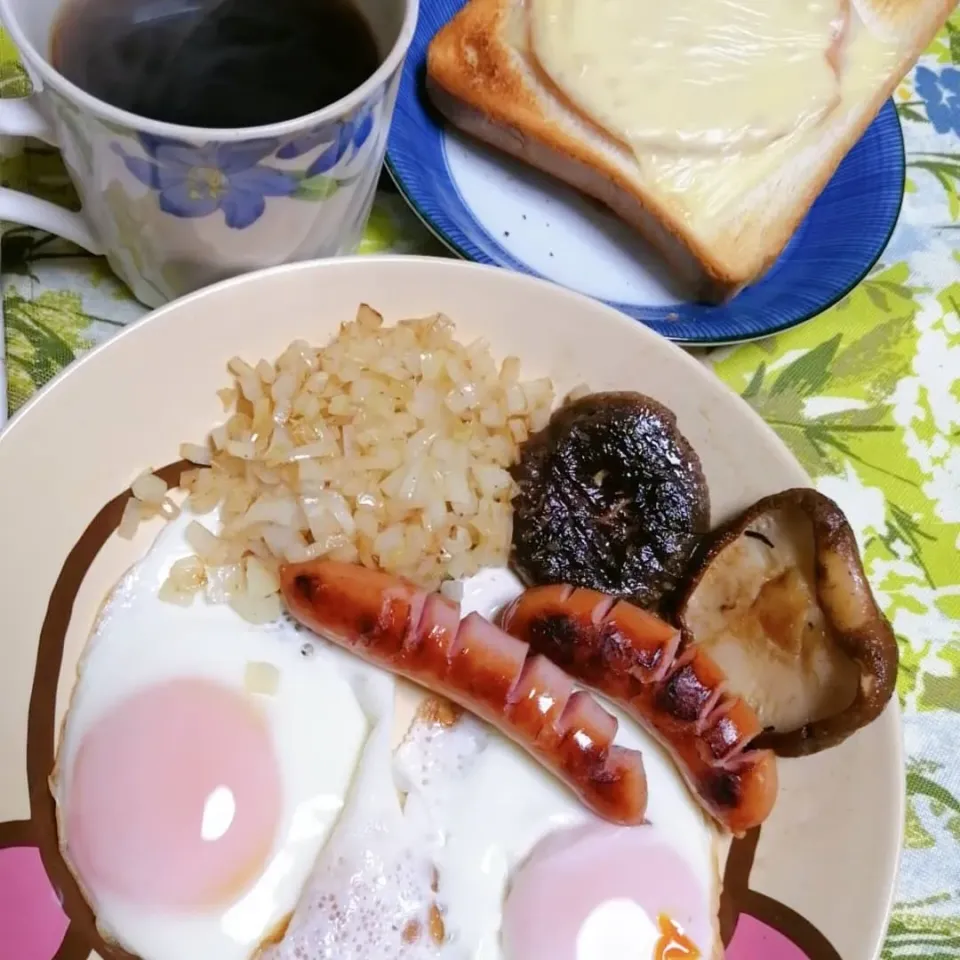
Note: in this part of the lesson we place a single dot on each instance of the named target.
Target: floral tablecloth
(867, 396)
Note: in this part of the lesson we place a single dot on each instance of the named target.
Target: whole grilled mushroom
(781, 601)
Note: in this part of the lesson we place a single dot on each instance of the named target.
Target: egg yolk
(174, 797)
(599, 891)
(673, 944)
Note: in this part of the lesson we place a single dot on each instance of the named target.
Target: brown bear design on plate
(52, 921)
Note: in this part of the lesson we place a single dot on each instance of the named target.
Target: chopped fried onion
(389, 447)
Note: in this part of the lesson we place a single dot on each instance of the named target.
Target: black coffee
(215, 63)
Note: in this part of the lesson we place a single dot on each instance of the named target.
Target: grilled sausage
(396, 625)
(671, 687)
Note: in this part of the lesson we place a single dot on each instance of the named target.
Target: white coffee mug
(175, 208)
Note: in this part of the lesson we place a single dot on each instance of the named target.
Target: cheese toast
(728, 228)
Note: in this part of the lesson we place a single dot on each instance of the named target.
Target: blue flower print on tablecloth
(941, 94)
(196, 181)
(337, 138)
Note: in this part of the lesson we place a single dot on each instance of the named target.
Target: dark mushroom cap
(611, 496)
(781, 600)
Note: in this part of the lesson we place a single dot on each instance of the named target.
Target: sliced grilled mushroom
(781, 601)
(612, 497)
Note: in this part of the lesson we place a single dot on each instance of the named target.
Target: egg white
(318, 729)
(370, 893)
(489, 803)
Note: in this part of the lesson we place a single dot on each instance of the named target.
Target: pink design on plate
(754, 940)
(32, 922)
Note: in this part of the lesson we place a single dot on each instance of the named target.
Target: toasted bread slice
(483, 77)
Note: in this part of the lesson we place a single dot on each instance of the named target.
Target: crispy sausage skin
(672, 688)
(396, 625)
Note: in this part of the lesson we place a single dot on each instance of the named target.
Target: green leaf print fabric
(867, 396)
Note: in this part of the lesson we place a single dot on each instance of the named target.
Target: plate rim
(892, 715)
(256, 276)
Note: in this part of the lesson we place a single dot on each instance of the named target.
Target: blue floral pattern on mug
(196, 181)
(339, 138)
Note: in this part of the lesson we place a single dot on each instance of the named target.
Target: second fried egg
(470, 850)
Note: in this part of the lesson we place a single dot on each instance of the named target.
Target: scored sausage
(668, 685)
(419, 635)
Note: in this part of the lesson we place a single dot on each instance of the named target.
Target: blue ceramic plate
(487, 207)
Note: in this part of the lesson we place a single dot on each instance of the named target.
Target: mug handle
(22, 118)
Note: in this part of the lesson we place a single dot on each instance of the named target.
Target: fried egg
(489, 857)
(202, 764)
(372, 894)
(525, 872)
